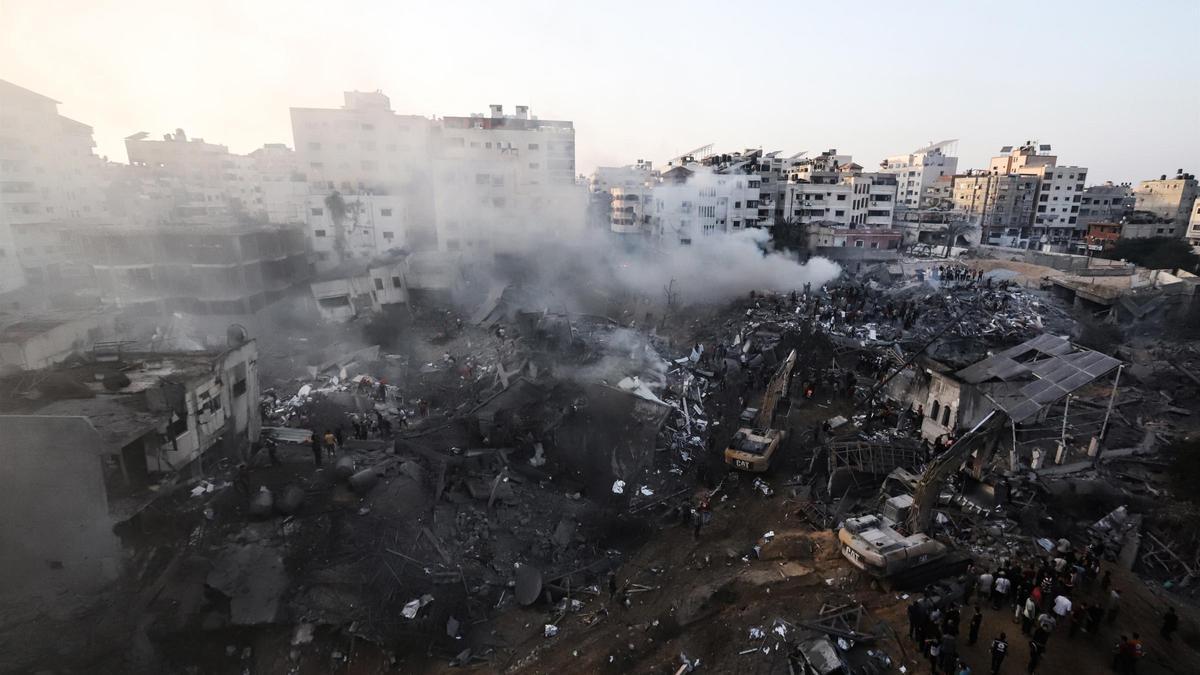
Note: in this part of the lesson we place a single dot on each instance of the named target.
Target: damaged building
(91, 442)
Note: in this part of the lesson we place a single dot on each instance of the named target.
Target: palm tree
(954, 230)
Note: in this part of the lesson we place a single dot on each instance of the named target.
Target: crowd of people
(1063, 593)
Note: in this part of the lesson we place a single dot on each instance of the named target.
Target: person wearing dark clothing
(949, 653)
(1106, 580)
(999, 650)
(1035, 656)
(1170, 624)
(702, 513)
(973, 631)
(339, 434)
(916, 619)
(315, 440)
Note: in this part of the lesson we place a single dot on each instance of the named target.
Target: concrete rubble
(562, 476)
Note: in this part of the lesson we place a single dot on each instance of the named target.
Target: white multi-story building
(366, 228)
(694, 201)
(832, 189)
(281, 185)
(1060, 196)
(918, 173)
(631, 209)
(502, 181)
(48, 174)
(604, 178)
(363, 146)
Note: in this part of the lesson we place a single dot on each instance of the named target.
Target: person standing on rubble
(1170, 624)
(331, 444)
(314, 440)
(703, 513)
(973, 629)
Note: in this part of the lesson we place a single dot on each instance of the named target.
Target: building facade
(1107, 203)
(918, 172)
(832, 189)
(48, 174)
(219, 271)
(1001, 204)
(1170, 199)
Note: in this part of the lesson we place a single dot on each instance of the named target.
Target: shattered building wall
(56, 531)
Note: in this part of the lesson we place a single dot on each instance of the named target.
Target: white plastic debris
(618, 487)
(757, 633)
(413, 606)
(780, 630)
(769, 535)
(551, 630)
(645, 491)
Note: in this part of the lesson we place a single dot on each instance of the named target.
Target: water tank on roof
(236, 335)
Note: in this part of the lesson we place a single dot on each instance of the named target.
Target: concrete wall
(55, 532)
(57, 343)
(1059, 261)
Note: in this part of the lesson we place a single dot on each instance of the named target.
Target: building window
(239, 387)
(385, 212)
(318, 233)
(378, 284)
(841, 198)
(533, 146)
(933, 412)
(858, 243)
(388, 235)
(396, 282)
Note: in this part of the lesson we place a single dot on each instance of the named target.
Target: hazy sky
(1114, 86)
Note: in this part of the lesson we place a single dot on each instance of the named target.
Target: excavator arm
(776, 389)
(929, 483)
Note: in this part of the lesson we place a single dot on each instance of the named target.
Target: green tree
(1156, 253)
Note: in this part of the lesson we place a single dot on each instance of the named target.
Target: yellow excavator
(892, 545)
(752, 447)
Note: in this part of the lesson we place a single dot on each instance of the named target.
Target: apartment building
(362, 147)
(504, 180)
(1170, 199)
(631, 209)
(694, 201)
(1060, 195)
(1025, 199)
(48, 173)
(919, 172)
(832, 189)
(220, 270)
(1001, 204)
(281, 185)
(205, 181)
(1107, 203)
(355, 228)
(604, 178)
